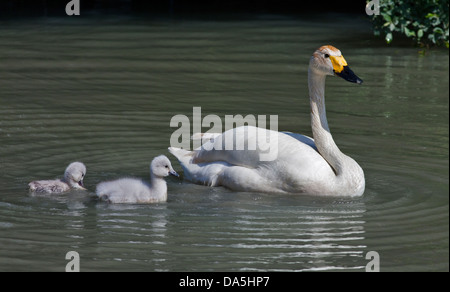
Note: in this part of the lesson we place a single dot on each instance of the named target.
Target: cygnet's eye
(166, 166)
(327, 56)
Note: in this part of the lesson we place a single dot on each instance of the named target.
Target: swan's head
(162, 167)
(328, 60)
(74, 175)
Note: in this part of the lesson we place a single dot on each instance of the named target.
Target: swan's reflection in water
(307, 239)
(226, 232)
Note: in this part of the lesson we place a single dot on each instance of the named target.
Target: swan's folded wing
(253, 147)
(48, 186)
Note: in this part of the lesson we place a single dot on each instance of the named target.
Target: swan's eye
(166, 166)
(327, 56)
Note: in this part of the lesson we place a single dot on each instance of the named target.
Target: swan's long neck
(321, 132)
(159, 187)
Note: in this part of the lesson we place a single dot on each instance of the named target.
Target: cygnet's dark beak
(174, 173)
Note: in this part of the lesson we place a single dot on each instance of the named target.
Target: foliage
(425, 21)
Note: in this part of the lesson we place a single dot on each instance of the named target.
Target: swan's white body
(132, 190)
(303, 165)
(73, 179)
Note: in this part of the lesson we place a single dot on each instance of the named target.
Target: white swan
(73, 178)
(131, 190)
(302, 165)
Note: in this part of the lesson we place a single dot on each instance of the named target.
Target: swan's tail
(183, 156)
(202, 173)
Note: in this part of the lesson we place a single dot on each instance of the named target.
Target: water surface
(103, 92)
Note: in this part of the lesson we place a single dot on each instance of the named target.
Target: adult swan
(302, 165)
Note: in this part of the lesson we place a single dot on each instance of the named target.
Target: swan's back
(48, 186)
(251, 152)
(244, 170)
(287, 149)
(124, 190)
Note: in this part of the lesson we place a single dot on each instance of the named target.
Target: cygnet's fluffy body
(132, 190)
(73, 179)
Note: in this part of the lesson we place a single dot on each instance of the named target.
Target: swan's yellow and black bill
(338, 63)
(348, 75)
(341, 69)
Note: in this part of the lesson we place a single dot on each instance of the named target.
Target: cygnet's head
(74, 175)
(328, 60)
(161, 167)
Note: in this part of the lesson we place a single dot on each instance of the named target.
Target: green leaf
(388, 38)
(426, 23)
(435, 21)
(407, 31)
(432, 38)
(420, 33)
(386, 17)
(438, 30)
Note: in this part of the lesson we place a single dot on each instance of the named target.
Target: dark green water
(103, 92)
